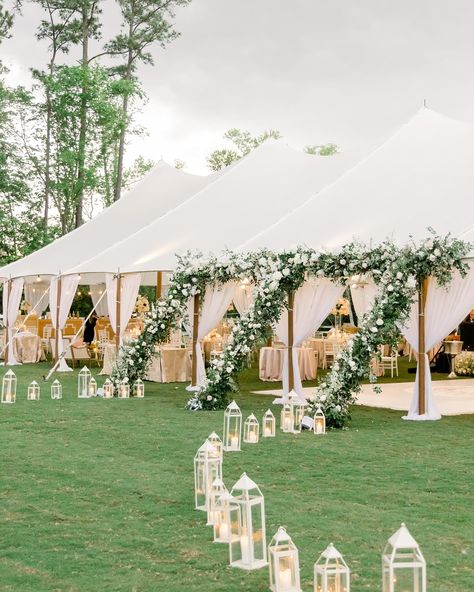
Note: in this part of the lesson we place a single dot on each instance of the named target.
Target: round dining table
(272, 359)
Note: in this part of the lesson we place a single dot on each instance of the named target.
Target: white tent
(161, 190)
(256, 192)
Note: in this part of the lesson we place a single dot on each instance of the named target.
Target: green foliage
(243, 143)
(322, 149)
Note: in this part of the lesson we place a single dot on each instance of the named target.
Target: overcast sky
(343, 71)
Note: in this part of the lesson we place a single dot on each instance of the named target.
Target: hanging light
(232, 427)
(215, 491)
(248, 545)
(251, 430)
(56, 390)
(139, 389)
(403, 564)
(216, 442)
(319, 422)
(207, 468)
(108, 389)
(222, 524)
(92, 388)
(124, 389)
(331, 573)
(83, 380)
(9, 387)
(283, 563)
(33, 391)
(268, 424)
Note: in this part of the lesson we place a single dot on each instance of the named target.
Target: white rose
(379, 322)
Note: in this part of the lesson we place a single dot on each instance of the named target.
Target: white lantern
(215, 491)
(33, 391)
(297, 405)
(92, 388)
(268, 424)
(207, 468)
(56, 390)
(251, 430)
(222, 520)
(232, 427)
(286, 418)
(248, 545)
(108, 389)
(331, 573)
(139, 388)
(319, 426)
(403, 564)
(9, 387)
(284, 563)
(83, 379)
(124, 389)
(216, 442)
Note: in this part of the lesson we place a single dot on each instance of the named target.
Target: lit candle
(285, 578)
(287, 423)
(252, 437)
(224, 531)
(234, 442)
(267, 431)
(244, 548)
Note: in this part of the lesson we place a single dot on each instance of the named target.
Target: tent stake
(421, 346)
(291, 378)
(195, 339)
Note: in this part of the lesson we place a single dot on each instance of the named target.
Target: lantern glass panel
(216, 442)
(108, 389)
(251, 430)
(284, 563)
(286, 422)
(207, 468)
(232, 427)
(222, 522)
(139, 389)
(92, 389)
(56, 390)
(124, 390)
(268, 425)
(83, 380)
(216, 489)
(33, 391)
(235, 548)
(9, 387)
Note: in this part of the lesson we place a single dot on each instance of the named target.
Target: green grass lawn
(98, 494)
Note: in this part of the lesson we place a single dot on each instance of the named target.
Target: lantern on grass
(222, 520)
(124, 389)
(284, 563)
(319, 426)
(207, 468)
(139, 388)
(286, 418)
(251, 430)
(232, 427)
(331, 573)
(108, 389)
(403, 564)
(33, 391)
(248, 545)
(297, 405)
(268, 424)
(216, 442)
(56, 390)
(215, 491)
(9, 387)
(92, 388)
(83, 379)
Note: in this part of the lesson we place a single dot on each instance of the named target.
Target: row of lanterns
(238, 519)
(86, 387)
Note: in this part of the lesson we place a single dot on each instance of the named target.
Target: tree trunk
(83, 124)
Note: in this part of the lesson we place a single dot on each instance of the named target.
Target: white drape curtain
(444, 310)
(35, 294)
(312, 304)
(96, 291)
(363, 294)
(69, 285)
(11, 305)
(130, 285)
(212, 310)
(243, 297)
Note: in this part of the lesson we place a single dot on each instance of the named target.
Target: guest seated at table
(89, 329)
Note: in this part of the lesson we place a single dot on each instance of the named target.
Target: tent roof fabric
(254, 193)
(158, 192)
(423, 176)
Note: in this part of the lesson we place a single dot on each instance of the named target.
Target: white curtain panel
(11, 306)
(130, 285)
(243, 298)
(96, 291)
(69, 285)
(212, 310)
(363, 295)
(312, 304)
(35, 294)
(444, 310)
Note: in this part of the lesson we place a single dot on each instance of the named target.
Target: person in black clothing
(89, 329)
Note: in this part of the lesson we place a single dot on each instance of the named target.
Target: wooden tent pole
(5, 314)
(117, 313)
(421, 346)
(291, 376)
(58, 306)
(195, 339)
(159, 284)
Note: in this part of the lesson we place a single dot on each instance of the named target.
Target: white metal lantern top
(233, 409)
(249, 488)
(215, 440)
(251, 420)
(84, 371)
(331, 560)
(282, 539)
(206, 450)
(268, 414)
(402, 547)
